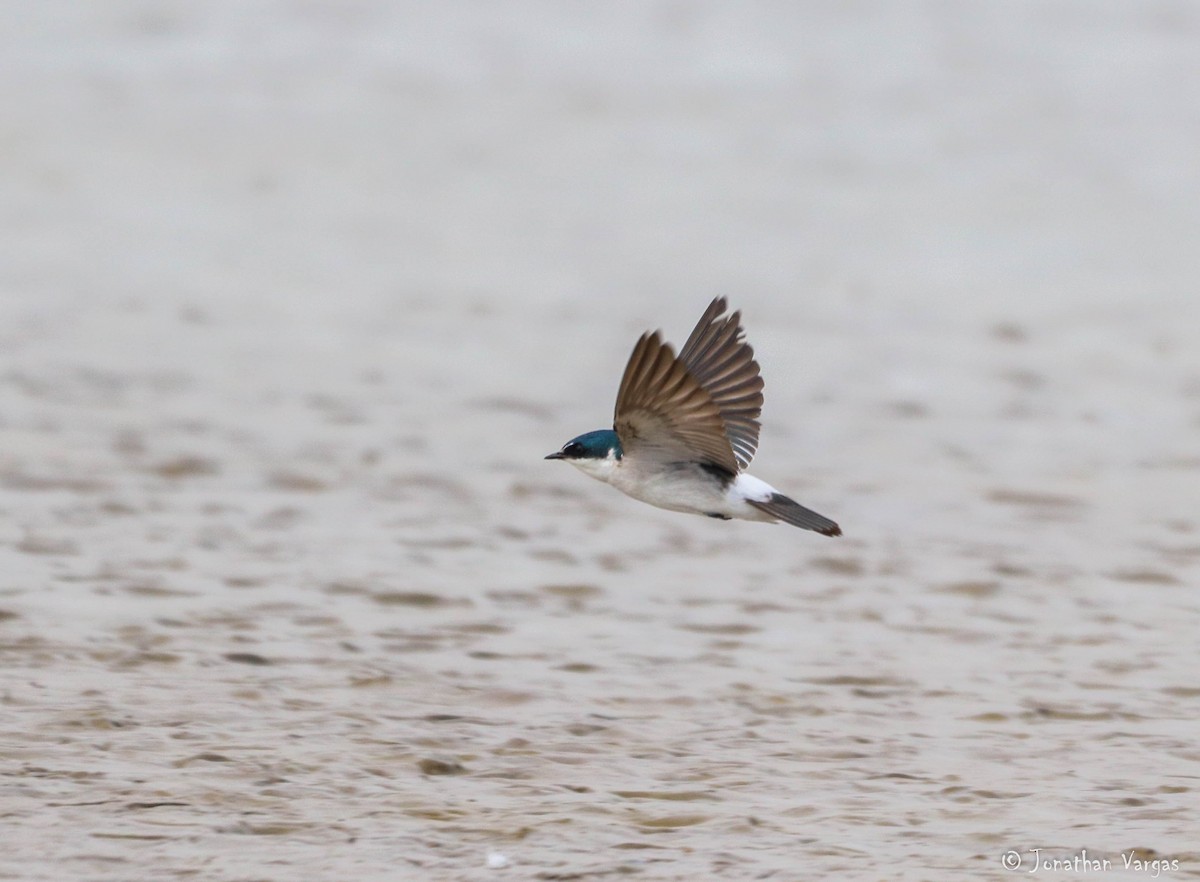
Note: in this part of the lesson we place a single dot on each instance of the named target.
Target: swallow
(686, 426)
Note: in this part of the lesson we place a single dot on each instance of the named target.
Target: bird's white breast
(682, 487)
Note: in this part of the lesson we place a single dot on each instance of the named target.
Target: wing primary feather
(719, 358)
(713, 339)
(705, 326)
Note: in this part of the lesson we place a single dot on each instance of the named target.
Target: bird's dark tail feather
(791, 512)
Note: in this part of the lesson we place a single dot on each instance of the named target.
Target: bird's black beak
(556, 455)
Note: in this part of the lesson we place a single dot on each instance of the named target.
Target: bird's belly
(683, 487)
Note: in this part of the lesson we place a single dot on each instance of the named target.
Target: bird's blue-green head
(601, 444)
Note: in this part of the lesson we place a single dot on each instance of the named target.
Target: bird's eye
(573, 449)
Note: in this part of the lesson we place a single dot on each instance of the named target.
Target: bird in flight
(686, 426)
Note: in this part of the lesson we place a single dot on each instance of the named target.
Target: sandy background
(295, 296)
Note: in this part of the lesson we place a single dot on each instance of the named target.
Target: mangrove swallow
(686, 425)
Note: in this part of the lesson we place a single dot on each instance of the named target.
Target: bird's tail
(791, 512)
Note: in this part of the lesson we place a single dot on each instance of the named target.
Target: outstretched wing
(702, 405)
(720, 359)
(663, 412)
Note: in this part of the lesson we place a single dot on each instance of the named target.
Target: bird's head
(591, 452)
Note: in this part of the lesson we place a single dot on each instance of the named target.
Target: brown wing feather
(720, 360)
(664, 412)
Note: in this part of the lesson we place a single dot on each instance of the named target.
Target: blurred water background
(295, 296)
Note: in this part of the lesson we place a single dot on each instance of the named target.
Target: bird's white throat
(600, 469)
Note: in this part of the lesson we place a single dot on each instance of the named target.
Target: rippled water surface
(294, 300)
